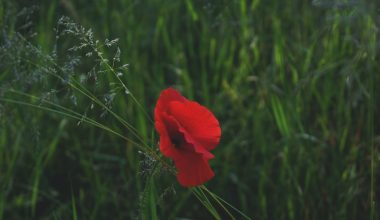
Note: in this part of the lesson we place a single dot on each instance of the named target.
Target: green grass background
(293, 84)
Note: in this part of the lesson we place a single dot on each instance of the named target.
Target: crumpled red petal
(173, 128)
(197, 121)
(193, 169)
(167, 96)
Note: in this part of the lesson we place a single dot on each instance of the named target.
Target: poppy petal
(193, 169)
(167, 96)
(165, 143)
(176, 133)
(197, 121)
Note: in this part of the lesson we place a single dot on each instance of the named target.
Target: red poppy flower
(188, 132)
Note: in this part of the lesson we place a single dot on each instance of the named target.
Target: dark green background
(294, 85)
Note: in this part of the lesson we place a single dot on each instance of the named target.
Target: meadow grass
(292, 84)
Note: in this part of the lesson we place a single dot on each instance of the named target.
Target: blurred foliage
(292, 84)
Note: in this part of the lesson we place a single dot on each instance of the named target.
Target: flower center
(177, 140)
